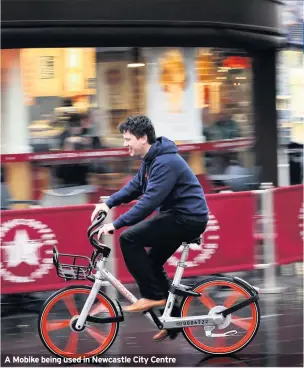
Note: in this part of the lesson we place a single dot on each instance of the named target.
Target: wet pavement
(279, 341)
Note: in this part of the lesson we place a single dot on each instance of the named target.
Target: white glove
(99, 207)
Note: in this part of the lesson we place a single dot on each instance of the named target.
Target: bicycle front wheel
(237, 329)
(60, 312)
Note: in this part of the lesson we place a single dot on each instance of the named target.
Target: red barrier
(288, 210)
(224, 145)
(228, 243)
(28, 236)
(27, 240)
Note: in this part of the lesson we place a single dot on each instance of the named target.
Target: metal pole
(269, 242)
(283, 168)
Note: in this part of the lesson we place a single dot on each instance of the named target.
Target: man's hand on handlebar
(106, 229)
(99, 207)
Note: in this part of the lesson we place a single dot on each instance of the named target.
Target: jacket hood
(162, 146)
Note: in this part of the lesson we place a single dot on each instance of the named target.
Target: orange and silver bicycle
(219, 316)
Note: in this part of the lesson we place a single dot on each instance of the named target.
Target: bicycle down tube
(104, 273)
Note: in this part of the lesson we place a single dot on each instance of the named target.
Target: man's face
(135, 145)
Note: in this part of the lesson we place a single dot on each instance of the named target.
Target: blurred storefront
(290, 75)
(183, 90)
(290, 83)
(191, 95)
(198, 91)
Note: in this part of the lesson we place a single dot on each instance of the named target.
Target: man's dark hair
(139, 126)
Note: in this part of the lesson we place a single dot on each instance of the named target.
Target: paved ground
(279, 341)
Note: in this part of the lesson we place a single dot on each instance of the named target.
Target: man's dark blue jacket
(166, 183)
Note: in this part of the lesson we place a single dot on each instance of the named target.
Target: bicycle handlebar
(91, 233)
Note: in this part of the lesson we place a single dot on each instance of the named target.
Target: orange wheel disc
(60, 312)
(237, 329)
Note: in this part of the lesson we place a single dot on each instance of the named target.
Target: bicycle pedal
(173, 336)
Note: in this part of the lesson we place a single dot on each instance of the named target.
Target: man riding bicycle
(165, 183)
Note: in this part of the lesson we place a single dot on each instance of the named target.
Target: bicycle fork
(89, 302)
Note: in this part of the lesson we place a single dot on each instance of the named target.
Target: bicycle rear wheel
(60, 311)
(237, 329)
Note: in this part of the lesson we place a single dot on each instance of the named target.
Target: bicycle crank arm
(238, 306)
(104, 320)
(228, 333)
(154, 318)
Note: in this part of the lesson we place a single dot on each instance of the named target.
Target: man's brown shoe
(161, 335)
(144, 304)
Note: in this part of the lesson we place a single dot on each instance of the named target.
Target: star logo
(22, 249)
(27, 250)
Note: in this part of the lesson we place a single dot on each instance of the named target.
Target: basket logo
(200, 253)
(26, 250)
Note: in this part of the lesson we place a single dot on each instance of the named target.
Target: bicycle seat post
(181, 265)
(185, 252)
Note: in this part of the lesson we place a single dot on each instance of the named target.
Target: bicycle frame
(167, 321)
